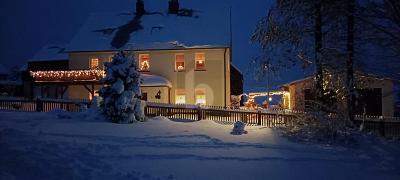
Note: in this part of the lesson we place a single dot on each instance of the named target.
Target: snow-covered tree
(121, 91)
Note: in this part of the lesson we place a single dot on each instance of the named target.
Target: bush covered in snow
(121, 92)
(238, 128)
(321, 127)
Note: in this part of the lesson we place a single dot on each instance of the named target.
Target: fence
(385, 126)
(226, 116)
(40, 105)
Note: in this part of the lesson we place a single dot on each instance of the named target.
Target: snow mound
(154, 80)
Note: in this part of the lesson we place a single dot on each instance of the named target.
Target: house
(375, 94)
(184, 56)
(49, 58)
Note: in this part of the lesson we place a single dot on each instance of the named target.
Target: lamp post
(266, 68)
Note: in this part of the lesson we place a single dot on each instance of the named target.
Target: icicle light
(67, 76)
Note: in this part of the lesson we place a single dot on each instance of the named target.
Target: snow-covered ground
(65, 146)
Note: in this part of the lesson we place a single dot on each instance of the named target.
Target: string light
(72, 75)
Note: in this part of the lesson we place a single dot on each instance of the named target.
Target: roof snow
(208, 27)
(51, 53)
(150, 80)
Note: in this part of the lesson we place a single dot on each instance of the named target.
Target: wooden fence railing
(227, 116)
(39, 105)
(385, 126)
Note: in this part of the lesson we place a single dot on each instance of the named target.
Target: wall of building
(80, 92)
(153, 91)
(388, 96)
(215, 79)
(236, 80)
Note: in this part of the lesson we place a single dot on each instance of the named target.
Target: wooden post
(259, 118)
(199, 113)
(382, 127)
(39, 105)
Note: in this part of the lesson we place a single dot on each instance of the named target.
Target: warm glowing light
(179, 62)
(180, 97)
(94, 63)
(200, 59)
(144, 62)
(68, 76)
(200, 95)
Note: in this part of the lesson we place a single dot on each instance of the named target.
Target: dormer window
(144, 62)
(179, 62)
(94, 63)
(200, 61)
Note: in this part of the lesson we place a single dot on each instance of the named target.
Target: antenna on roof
(230, 31)
(173, 6)
(140, 8)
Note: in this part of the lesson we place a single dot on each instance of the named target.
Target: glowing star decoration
(144, 66)
(67, 76)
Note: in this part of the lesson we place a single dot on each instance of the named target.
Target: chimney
(140, 8)
(173, 6)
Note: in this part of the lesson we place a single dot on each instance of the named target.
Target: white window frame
(180, 100)
(202, 101)
(196, 59)
(184, 63)
(140, 61)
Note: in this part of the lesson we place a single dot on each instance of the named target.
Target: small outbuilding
(375, 95)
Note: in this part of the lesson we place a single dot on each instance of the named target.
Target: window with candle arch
(200, 61)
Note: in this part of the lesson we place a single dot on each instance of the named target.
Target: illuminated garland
(65, 76)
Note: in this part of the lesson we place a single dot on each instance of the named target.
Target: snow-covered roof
(3, 70)
(151, 80)
(53, 52)
(208, 27)
(357, 74)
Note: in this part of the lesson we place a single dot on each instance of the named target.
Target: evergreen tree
(121, 91)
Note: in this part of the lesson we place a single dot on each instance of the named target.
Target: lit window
(180, 96)
(179, 62)
(200, 95)
(94, 63)
(144, 62)
(200, 61)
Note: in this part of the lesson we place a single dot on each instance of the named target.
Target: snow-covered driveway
(43, 146)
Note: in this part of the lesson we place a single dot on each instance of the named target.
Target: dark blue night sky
(26, 26)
